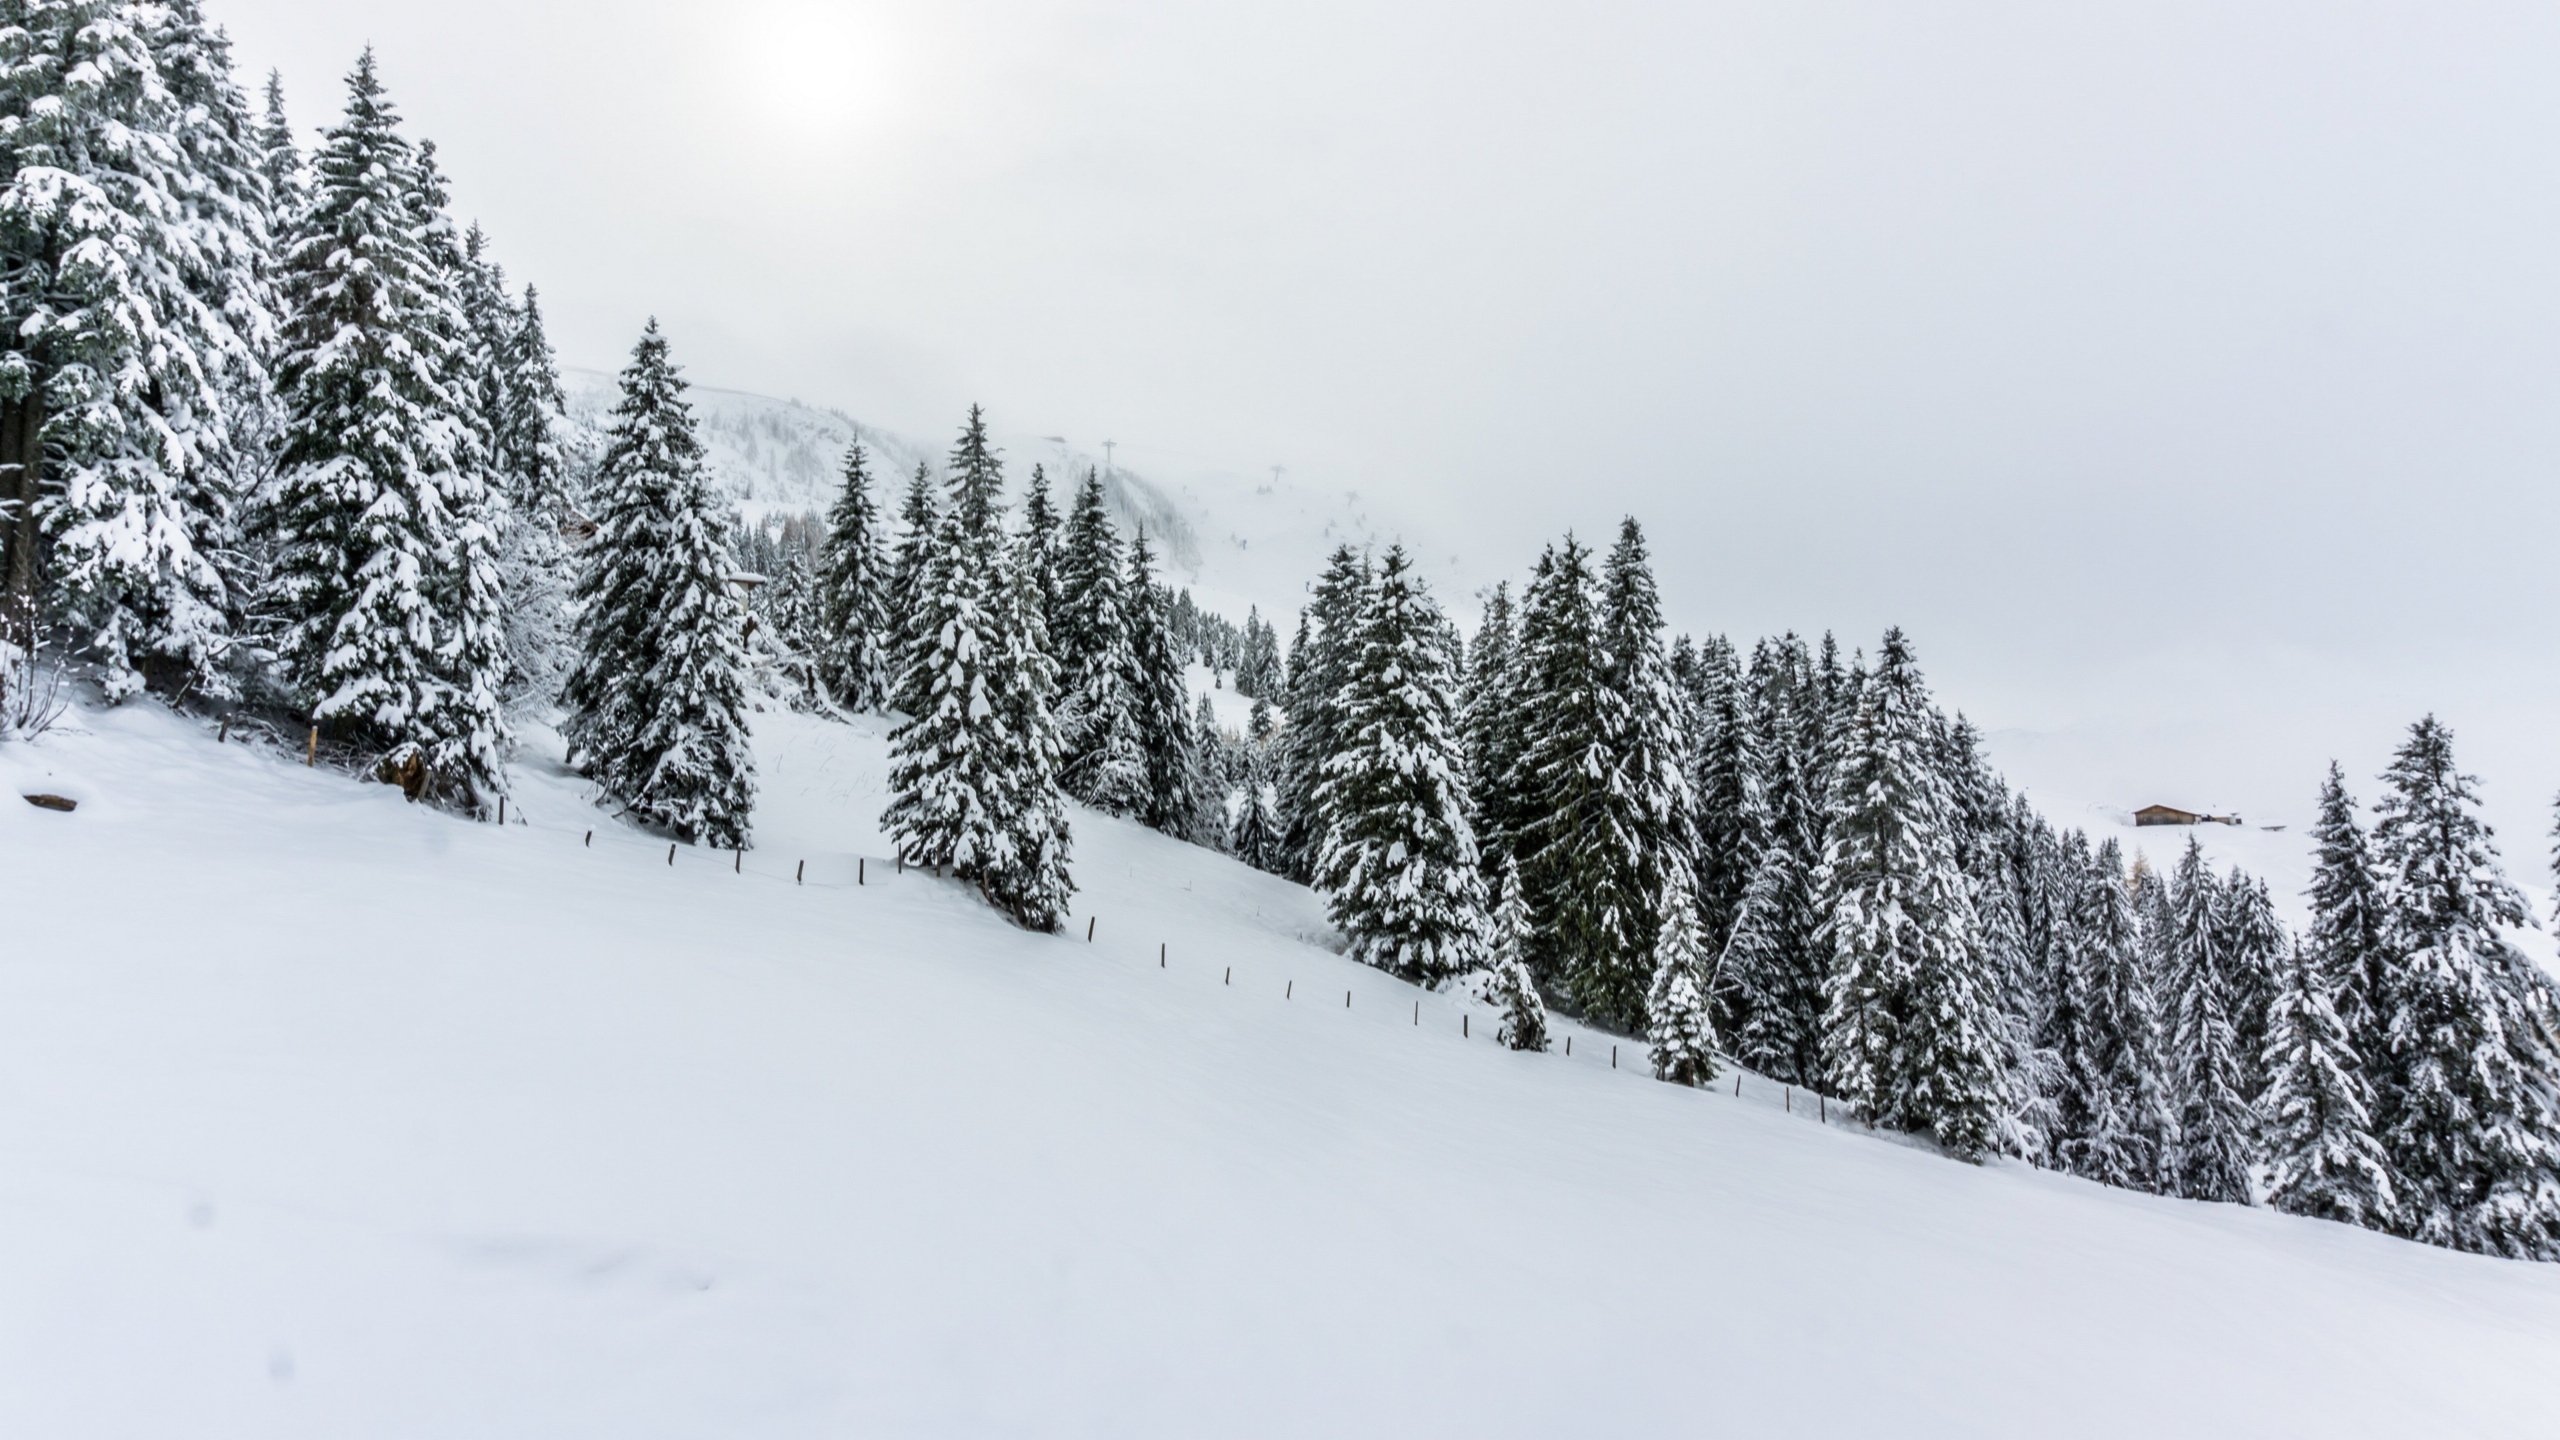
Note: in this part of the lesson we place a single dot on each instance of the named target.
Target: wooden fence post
(1462, 1026)
(591, 839)
(313, 756)
(1613, 1057)
(1160, 948)
(1291, 993)
(502, 809)
(801, 875)
(671, 854)
(1089, 922)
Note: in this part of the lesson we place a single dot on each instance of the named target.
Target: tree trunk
(21, 472)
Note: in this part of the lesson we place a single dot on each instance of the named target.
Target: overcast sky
(2188, 367)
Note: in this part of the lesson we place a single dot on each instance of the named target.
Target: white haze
(2182, 375)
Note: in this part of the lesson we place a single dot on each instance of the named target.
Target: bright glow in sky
(2167, 368)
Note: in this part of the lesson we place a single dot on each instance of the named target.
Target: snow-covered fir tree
(2209, 1076)
(1158, 701)
(1105, 766)
(855, 636)
(532, 457)
(1032, 884)
(1254, 835)
(380, 512)
(279, 156)
(2007, 944)
(1217, 768)
(2467, 1102)
(1319, 665)
(1651, 785)
(2345, 938)
(911, 577)
(1580, 857)
(1398, 864)
(1770, 981)
(1679, 1030)
(1258, 672)
(1726, 777)
(657, 699)
(972, 772)
(1037, 552)
(1506, 984)
(2129, 1117)
(2252, 946)
(1912, 1034)
(1491, 725)
(134, 238)
(475, 648)
(2323, 1160)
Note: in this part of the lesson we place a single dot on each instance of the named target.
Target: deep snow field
(326, 1115)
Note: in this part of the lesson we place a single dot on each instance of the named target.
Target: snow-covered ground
(325, 1115)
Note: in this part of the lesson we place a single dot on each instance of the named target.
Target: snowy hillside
(326, 1115)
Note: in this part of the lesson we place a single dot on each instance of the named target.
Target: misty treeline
(275, 434)
(273, 431)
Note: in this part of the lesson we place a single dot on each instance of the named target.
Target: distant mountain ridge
(786, 457)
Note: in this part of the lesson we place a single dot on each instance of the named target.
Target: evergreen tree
(2210, 1077)
(1651, 785)
(1576, 860)
(1911, 1032)
(1398, 864)
(2156, 948)
(1105, 766)
(1506, 985)
(532, 463)
(1258, 675)
(474, 595)
(1254, 836)
(2080, 1098)
(1678, 1028)
(1158, 701)
(2125, 1094)
(972, 778)
(1038, 553)
(279, 158)
(1728, 781)
(1216, 769)
(2323, 1159)
(380, 511)
(2345, 938)
(1770, 989)
(911, 573)
(136, 297)
(855, 633)
(1319, 665)
(2468, 1110)
(2253, 946)
(657, 699)
(1491, 725)
(1032, 884)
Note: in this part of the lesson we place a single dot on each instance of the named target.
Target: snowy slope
(324, 1115)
